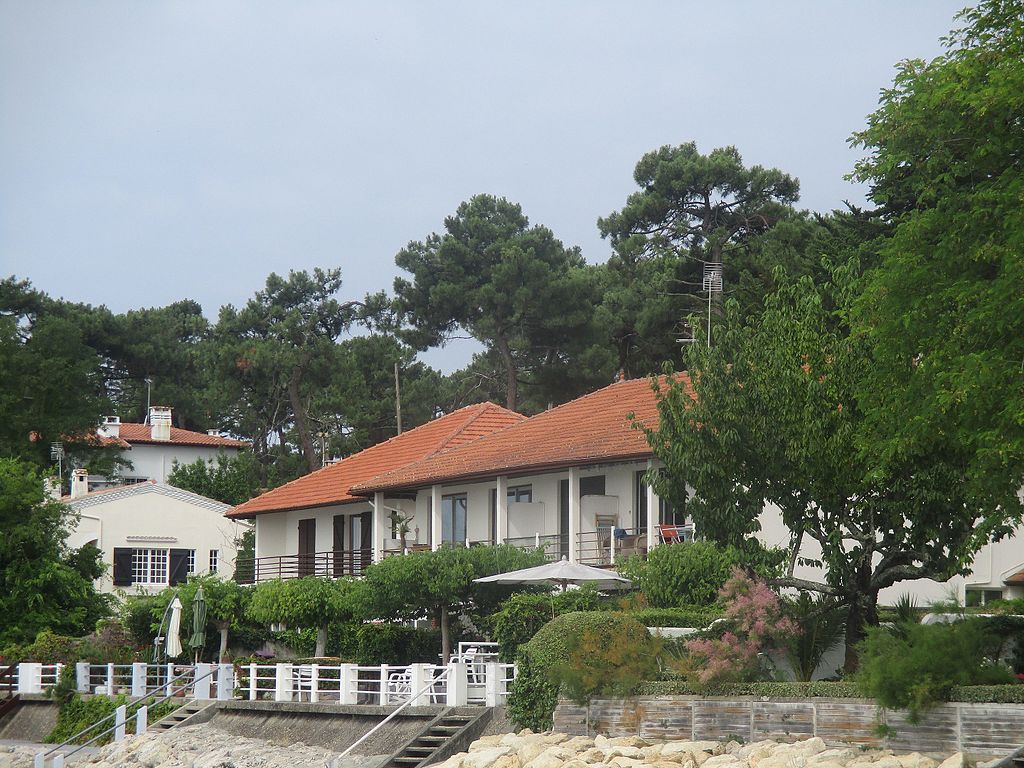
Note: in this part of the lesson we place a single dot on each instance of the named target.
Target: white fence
(481, 680)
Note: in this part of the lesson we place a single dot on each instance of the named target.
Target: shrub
(522, 615)
(692, 573)
(1005, 694)
(755, 623)
(77, 713)
(917, 666)
(698, 616)
(371, 644)
(822, 625)
(609, 661)
(534, 693)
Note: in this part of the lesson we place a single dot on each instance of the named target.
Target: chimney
(79, 483)
(111, 427)
(51, 487)
(160, 422)
(213, 432)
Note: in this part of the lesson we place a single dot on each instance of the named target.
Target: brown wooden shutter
(122, 566)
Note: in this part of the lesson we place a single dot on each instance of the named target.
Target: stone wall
(980, 730)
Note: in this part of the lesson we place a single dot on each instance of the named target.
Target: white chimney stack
(79, 483)
(111, 427)
(160, 422)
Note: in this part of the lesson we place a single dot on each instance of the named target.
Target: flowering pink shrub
(756, 623)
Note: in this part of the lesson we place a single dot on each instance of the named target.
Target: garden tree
(51, 384)
(311, 601)
(43, 583)
(775, 419)
(439, 584)
(276, 351)
(514, 287)
(943, 311)
(231, 480)
(691, 209)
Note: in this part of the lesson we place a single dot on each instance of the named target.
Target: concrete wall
(980, 730)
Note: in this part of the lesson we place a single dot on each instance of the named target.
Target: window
(453, 518)
(667, 514)
(976, 597)
(191, 561)
(520, 493)
(149, 566)
(214, 560)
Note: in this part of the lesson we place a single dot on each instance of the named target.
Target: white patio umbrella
(173, 647)
(561, 573)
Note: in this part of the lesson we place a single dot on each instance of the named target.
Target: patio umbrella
(198, 639)
(560, 573)
(173, 647)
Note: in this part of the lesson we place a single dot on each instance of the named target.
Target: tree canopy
(311, 601)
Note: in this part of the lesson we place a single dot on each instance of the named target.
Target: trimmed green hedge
(997, 694)
(696, 616)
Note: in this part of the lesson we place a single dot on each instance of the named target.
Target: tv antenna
(712, 284)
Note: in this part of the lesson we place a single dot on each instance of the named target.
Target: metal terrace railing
(333, 564)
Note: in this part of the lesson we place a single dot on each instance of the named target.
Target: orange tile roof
(331, 484)
(142, 433)
(589, 430)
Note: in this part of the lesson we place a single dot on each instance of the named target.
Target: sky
(154, 151)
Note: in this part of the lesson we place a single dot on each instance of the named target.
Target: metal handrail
(137, 703)
(398, 709)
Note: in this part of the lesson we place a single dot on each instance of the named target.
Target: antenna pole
(398, 400)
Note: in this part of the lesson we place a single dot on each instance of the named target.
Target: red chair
(672, 534)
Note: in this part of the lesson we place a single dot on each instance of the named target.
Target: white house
(153, 448)
(313, 525)
(152, 535)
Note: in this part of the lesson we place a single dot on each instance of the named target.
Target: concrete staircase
(191, 712)
(450, 732)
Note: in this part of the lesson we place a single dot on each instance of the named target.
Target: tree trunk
(511, 374)
(446, 643)
(863, 612)
(222, 654)
(301, 422)
(321, 641)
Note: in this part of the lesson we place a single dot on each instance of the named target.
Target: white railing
(468, 679)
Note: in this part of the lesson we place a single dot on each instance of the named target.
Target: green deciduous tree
(226, 605)
(231, 480)
(776, 419)
(311, 601)
(43, 583)
(512, 286)
(944, 309)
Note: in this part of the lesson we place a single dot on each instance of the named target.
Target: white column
(253, 682)
(458, 685)
(418, 679)
(139, 679)
(347, 683)
(379, 526)
(110, 680)
(501, 515)
(82, 676)
(492, 684)
(383, 685)
(435, 517)
(141, 720)
(58, 760)
(653, 512)
(30, 678)
(283, 682)
(314, 683)
(574, 513)
(120, 716)
(201, 688)
(225, 682)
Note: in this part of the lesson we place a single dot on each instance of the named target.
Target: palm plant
(822, 624)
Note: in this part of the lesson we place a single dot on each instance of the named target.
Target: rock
(629, 741)
(916, 760)
(455, 761)
(579, 743)
(602, 742)
(545, 760)
(555, 738)
(592, 755)
(812, 746)
(481, 758)
(508, 761)
(722, 761)
(530, 749)
(840, 756)
(692, 747)
(633, 753)
(621, 761)
(651, 753)
(486, 741)
(954, 761)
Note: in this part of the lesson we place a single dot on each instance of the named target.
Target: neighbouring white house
(313, 525)
(153, 448)
(570, 479)
(152, 535)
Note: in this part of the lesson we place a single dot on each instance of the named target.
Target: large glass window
(149, 566)
(667, 514)
(520, 493)
(453, 518)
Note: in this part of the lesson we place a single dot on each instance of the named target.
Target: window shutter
(178, 570)
(122, 566)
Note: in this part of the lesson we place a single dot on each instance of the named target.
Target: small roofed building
(315, 526)
(151, 449)
(152, 535)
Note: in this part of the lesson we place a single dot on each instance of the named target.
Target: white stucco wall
(155, 462)
(155, 517)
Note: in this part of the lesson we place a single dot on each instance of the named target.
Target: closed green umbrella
(198, 622)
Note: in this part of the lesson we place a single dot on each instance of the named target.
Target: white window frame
(151, 566)
(214, 560)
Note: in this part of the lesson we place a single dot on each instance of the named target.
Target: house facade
(152, 535)
(151, 449)
(314, 525)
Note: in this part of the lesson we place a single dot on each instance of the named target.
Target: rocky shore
(204, 746)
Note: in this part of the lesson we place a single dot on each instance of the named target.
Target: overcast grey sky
(152, 151)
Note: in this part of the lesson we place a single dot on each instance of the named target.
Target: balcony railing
(333, 564)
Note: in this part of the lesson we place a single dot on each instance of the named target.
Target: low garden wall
(980, 730)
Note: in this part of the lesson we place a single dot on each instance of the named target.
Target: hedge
(997, 694)
(695, 616)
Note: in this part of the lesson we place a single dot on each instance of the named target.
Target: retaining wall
(980, 730)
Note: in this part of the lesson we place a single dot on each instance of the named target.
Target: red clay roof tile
(142, 433)
(592, 429)
(330, 485)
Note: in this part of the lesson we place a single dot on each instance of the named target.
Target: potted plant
(399, 525)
